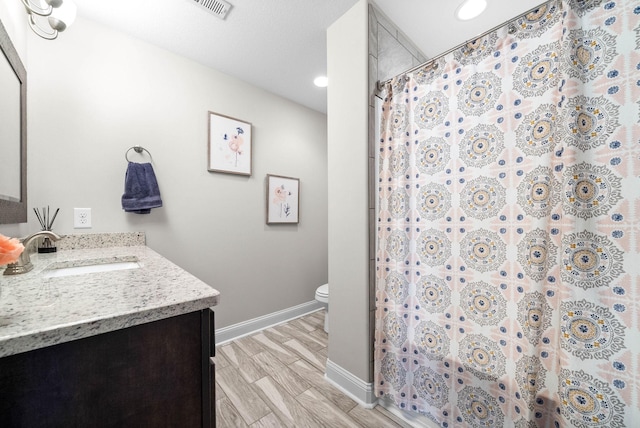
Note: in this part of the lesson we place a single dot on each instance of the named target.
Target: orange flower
(10, 250)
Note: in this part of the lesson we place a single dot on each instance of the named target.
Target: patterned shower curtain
(509, 226)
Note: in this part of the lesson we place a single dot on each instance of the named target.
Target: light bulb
(63, 16)
(321, 81)
(470, 9)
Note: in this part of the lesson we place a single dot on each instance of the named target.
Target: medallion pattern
(590, 331)
(591, 52)
(534, 316)
(535, 23)
(538, 71)
(431, 340)
(479, 93)
(589, 122)
(479, 409)
(433, 247)
(395, 329)
(431, 386)
(590, 190)
(483, 250)
(482, 357)
(433, 201)
(481, 145)
(537, 134)
(432, 155)
(399, 121)
(537, 254)
(482, 198)
(508, 226)
(476, 50)
(590, 260)
(398, 203)
(530, 375)
(429, 72)
(398, 84)
(483, 303)
(397, 287)
(398, 162)
(581, 7)
(398, 245)
(588, 402)
(393, 371)
(433, 294)
(525, 423)
(431, 110)
(539, 192)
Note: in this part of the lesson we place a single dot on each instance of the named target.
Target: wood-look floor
(275, 378)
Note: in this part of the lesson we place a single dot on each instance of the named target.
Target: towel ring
(137, 149)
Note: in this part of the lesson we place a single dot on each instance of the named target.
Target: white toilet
(322, 296)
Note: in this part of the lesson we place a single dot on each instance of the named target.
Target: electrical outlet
(82, 218)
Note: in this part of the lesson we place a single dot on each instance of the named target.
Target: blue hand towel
(141, 191)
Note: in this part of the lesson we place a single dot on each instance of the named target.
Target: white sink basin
(91, 266)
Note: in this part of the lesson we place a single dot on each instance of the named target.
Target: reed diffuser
(46, 222)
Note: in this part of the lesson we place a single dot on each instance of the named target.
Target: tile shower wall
(390, 53)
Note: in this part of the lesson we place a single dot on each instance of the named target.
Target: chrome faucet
(23, 264)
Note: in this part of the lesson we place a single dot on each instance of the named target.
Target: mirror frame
(11, 211)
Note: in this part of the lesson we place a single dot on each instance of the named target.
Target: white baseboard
(236, 331)
(357, 389)
(362, 392)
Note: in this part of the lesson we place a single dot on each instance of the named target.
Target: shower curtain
(509, 226)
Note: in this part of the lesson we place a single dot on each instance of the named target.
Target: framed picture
(283, 199)
(229, 145)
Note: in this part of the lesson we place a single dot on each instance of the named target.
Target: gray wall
(95, 92)
(349, 341)
(14, 20)
(361, 43)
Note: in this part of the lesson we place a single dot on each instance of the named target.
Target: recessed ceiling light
(469, 9)
(321, 81)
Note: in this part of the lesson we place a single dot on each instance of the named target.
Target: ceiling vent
(219, 8)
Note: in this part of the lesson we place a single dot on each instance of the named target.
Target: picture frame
(283, 199)
(230, 147)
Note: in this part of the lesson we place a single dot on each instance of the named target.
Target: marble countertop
(38, 311)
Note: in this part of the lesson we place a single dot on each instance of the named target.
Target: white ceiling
(280, 45)
(433, 27)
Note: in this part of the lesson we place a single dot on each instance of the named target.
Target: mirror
(13, 133)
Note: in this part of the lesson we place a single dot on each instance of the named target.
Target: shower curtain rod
(381, 85)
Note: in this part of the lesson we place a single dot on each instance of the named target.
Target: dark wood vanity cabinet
(157, 374)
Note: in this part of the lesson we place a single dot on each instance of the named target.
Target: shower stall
(506, 225)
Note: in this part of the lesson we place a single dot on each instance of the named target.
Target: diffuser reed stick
(44, 217)
(46, 222)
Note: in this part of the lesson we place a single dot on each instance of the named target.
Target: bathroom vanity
(107, 337)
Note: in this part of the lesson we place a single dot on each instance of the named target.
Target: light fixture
(469, 9)
(59, 15)
(321, 81)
